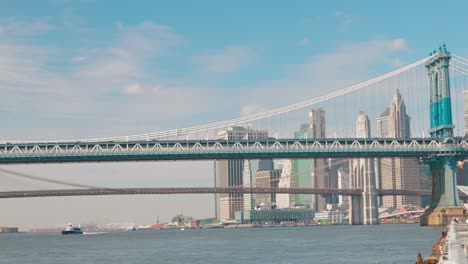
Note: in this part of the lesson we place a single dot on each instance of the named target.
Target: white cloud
(127, 55)
(133, 89)
(79, 58)
(345, 20)
(12, 26)
(1, 30)
(228, 60)
(250, 109)
(323, 73)
(304, 41)
(398, 44)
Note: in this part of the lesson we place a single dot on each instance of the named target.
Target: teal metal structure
(444, 167)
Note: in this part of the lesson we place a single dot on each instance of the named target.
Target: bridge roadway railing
(203, 190)
(45, 152)
(195, 190)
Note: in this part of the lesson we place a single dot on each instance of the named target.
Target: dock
(451, 247)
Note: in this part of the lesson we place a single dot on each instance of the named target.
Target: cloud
(398, 44)
(324, 73)
(133, 89)
(13, 27)
(250, 109)
(229, 59)
(304, 41)
(345, 20)
(79, 58)
(126, 57)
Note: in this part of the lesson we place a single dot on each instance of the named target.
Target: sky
(80, 69)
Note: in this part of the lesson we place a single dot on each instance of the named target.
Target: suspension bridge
(424, 123)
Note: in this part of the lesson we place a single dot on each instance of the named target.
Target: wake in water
(94, 233)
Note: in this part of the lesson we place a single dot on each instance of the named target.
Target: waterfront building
(4, 229)
(184, 221)
(230, 173)
(397, 173)
(331, 217)
(275, 216)
(267, 179)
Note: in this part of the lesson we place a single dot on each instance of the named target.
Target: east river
(313, 244)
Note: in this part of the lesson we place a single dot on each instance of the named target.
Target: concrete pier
(452, 246)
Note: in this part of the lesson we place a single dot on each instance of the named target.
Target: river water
(314, 244)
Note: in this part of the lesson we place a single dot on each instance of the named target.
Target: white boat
(72, 230)
(131, 228)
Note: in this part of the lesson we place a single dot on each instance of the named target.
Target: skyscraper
(230, 173)
(251, 167)
(267, 179)
(319, 167)
(397, 173)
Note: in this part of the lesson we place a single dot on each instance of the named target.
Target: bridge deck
(58, 152)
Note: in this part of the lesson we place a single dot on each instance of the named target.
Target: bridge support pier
(446, 203)
(355, 210)
(363, 209)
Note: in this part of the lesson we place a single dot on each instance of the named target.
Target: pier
(451, 247)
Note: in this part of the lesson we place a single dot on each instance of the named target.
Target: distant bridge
(200, 190)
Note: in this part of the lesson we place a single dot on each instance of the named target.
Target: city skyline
(71, 71)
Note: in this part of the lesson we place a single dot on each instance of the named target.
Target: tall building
(397, 173)
(251, 167)
(267, 179)
(319, 167)
(230, 173)
(311, 173)
(363, 209)
(301, 175)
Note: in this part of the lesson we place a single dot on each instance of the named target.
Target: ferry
(72, 230)
(131, 228)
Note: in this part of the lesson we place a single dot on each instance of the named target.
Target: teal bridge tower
(445, 200)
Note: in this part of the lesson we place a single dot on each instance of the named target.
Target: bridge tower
(363, 209)
(445, 200)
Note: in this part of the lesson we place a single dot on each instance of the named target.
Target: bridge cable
(37, 178)
(257, 116)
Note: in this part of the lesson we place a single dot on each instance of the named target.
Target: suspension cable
(37, 178)
(254, 117)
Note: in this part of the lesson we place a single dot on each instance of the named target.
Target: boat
(131, 228)
(72, 230)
